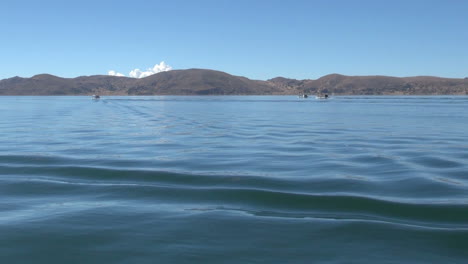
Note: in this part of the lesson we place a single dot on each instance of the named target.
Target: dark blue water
(234, 180)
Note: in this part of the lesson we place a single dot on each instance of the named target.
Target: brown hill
(200, 82)
(46, 84)
(291, 86)
(177, 82)
(210, 82)
(384, 85)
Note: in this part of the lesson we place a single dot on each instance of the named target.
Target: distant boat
(303, 96)
(325, 96)
(95, 96)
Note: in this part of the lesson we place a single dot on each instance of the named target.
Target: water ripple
(234, 179)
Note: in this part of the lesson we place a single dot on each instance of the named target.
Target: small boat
(95, 96)
(303, 96)
(325, 96)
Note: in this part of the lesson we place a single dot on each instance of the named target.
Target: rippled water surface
(268, 179)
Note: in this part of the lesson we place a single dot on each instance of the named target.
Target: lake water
(234, 179)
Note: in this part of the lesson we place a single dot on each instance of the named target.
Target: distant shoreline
(209, 82)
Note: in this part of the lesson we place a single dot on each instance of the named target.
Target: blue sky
(256, 39)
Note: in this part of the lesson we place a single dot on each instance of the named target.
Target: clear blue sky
(256, 39)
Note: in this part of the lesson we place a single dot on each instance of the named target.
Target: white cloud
(137, 73)
(114, 73)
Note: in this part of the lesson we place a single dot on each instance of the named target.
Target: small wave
(436, 162)
(281, 197)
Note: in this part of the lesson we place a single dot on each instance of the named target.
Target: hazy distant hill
(376, 85)
(210, 82)
(45, 84)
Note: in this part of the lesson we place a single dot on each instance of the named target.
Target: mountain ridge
(212, 82)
